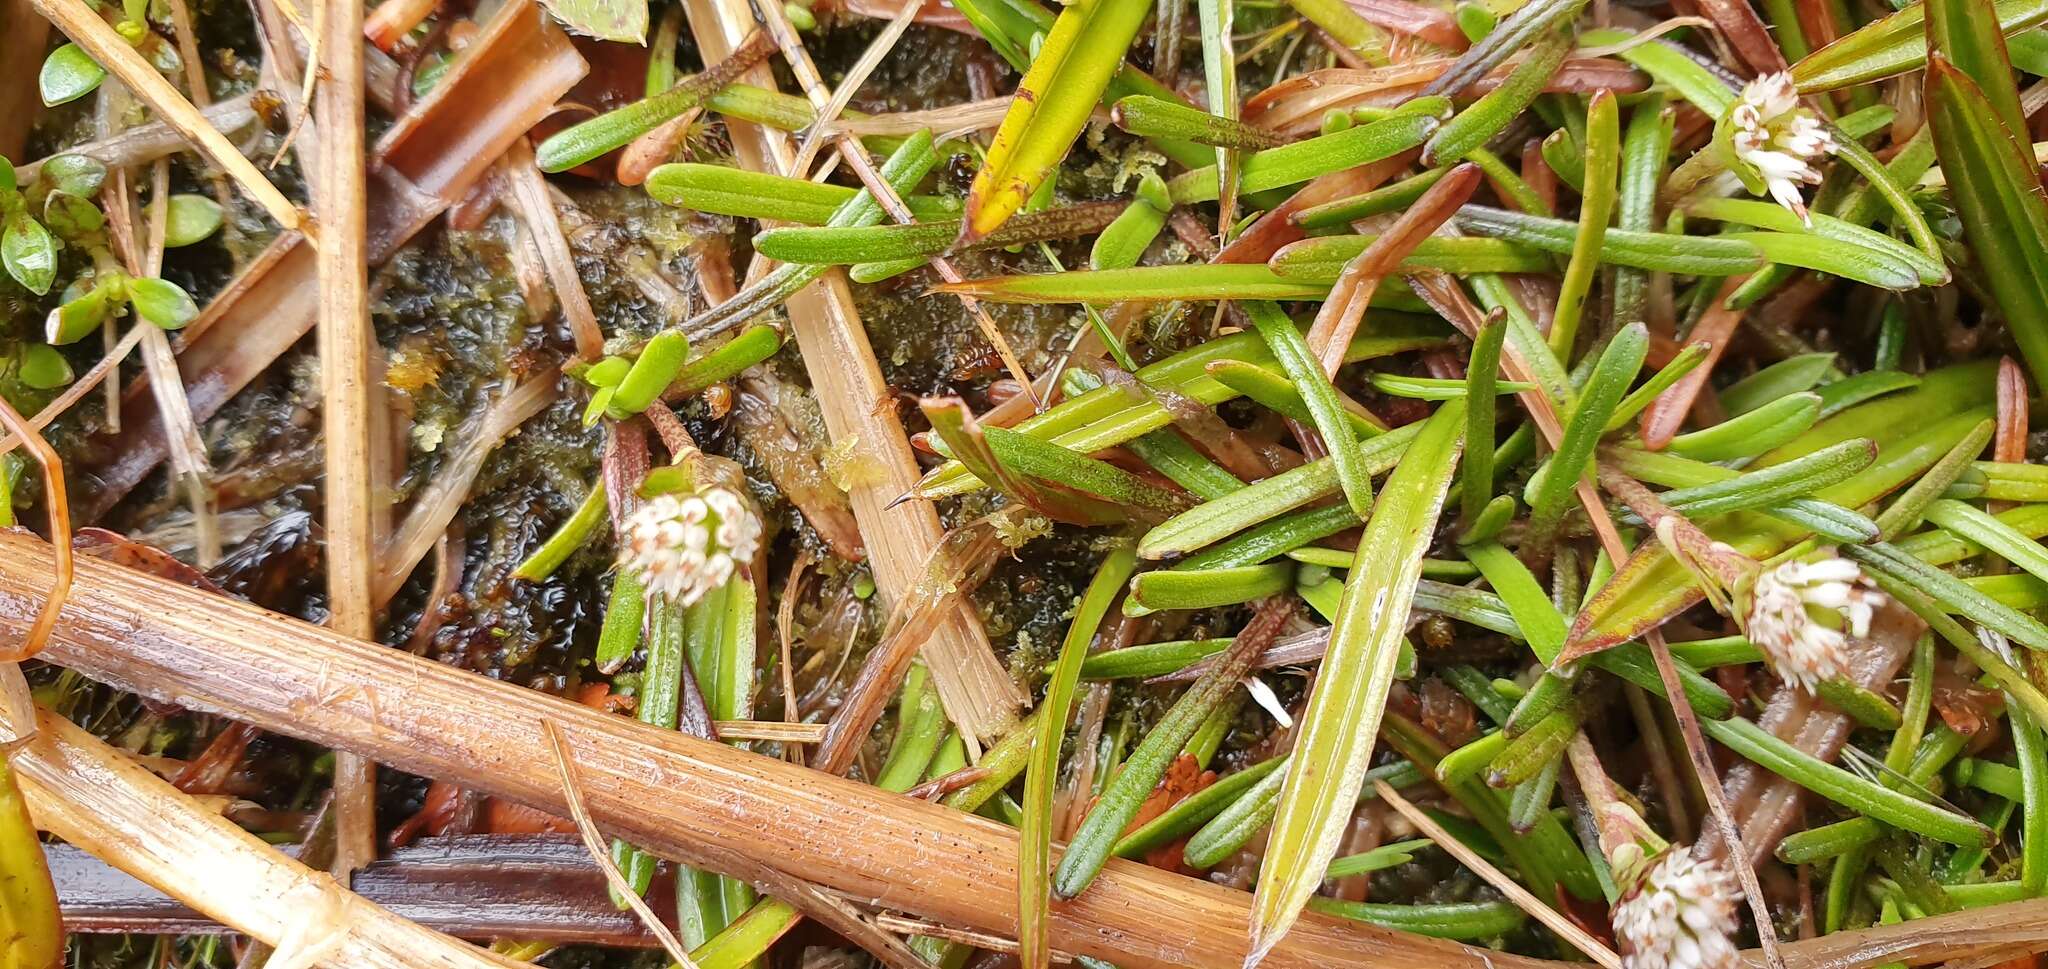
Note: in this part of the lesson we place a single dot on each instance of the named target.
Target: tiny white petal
(1263, 696)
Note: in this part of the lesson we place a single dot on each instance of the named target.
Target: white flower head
(1798, 612)
(1779, 139)
(1678, 914)
(683, 546)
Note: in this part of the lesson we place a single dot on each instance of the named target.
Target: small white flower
(1778, 138)
(683, 546)
(1680, 914)
(1264, 696)
(1797, 614)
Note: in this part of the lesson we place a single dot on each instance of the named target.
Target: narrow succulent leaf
(1215, 520)
(1672, 67)
(1752, 433)
(1279, 536)
(1041, 775)
(1304, 160)
(1596, 207)
(1930, 271)
(1050, 462)
(1195, 810)
(1657, 251)
(1207, 588)
(1482, 372)
(1684, 362)
(1977, 525)
(1144, 283)
(1107, 416)
(737, 192)
(845, 245)
(1550, 494)
(729, 359)
(1341, 722)
(1838, 785)
(1439, 388)
(1123, 242)
(1889, 183)
(1275, 392)
(1073, 67)
(902, 170)
(1951, 593)
(1511, 36)
(970, 444)
(1778, 483)
(1322, 259)
(1148, 117)
(1291, 350)
(1390, 198)
(1150, 659)
(1849, 260)
(585, 141)
(1791, 375)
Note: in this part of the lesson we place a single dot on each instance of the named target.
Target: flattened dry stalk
(973, 686)
(572, 792)
(956, 568)
(146, 142)
(87, 793)
(530, 198)
(346, 346)
(696, 801)
(38, 633)
(84, 26)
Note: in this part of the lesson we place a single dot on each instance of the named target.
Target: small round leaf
(7, 183)
(79, 175)
(192, 218)
(79, 315)
(161, 303)
(43, 368)
(69, 74)
(70, 216)
(29, 253)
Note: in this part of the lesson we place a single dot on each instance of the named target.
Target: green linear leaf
(1341, 723)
